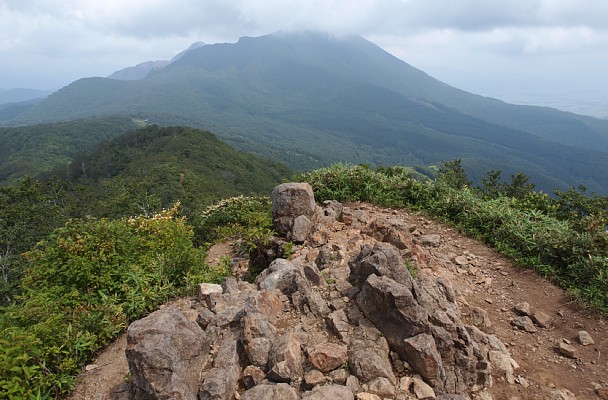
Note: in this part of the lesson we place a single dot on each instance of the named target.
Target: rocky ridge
(358, 311)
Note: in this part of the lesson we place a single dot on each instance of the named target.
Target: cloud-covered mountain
(311, 99)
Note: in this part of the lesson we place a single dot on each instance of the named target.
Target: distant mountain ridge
(141, 70)
(311, 99)
(20, 95)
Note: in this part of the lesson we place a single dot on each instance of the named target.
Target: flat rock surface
(488, 281)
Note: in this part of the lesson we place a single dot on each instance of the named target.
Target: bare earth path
(484, 280)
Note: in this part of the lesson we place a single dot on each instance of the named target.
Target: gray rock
(381, 386)
(585, 339)
(266, 392)
(289, 201)
(423, 356)
(567, 350)
(562, 394)
(285, 359)
(421, 390)
(333, 392)
(313, 378)
(302, 226)
(337, 322)
(280, 275)
(328, 356)
(369, 364)
(166, 352)
(253, 376)
(430, 240)
(502, 364)
(525, 324)
(339, 376)
(541, 319)
(258, 335)
(352, 382)
(221, 381)
(204, 318)
(383, 259)
(479, 318)
(523, 308)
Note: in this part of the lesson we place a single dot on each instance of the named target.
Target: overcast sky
(485, 46)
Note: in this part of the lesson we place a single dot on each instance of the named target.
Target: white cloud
(57, 41)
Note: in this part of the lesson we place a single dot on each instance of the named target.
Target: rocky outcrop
(343, 318)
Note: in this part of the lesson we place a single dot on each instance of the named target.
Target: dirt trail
(486, 280)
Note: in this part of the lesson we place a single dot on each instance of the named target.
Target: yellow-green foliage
(81, 288)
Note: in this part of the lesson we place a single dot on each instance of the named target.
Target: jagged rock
(367, 364)
(280, 275)
(302, 226)
(479, 317)
(380, 386)
(334, 392)
(502, 365)
(393, 309)
(525, 324)
(220, 382)
(267, 302)
(208, 293)
(423, 356)
(337, 321)
(585, 339)
(313, 378)
(290, 201)
(383, 259)
(339, 376)
(285, 359)
(352, 382)
(265, 392)
(252, 376)
(204, 318)
(313, 274)
(328, 356)
(421, 390)
(166, 353)
(332, 209)
(318, 307)
(258, 335)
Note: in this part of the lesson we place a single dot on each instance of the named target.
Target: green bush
(82, 286)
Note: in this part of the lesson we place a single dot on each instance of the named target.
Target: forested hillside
(35, 149)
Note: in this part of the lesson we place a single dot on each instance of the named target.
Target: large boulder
(293, 210)
(166, 353)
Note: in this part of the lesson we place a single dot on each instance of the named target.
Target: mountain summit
(311, 99)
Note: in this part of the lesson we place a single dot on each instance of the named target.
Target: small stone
(567, 350)
(430, 240)
(479, 318)
(523, 308)
(461, 260)
(585, 338)
(252, 376)
(562, 394)
(489, 301)
(525, 324)
(91, 367)
(313, 378)
(541, 319)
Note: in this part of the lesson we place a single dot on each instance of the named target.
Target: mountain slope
(311, 99)
(35, 149)
(176, 163)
